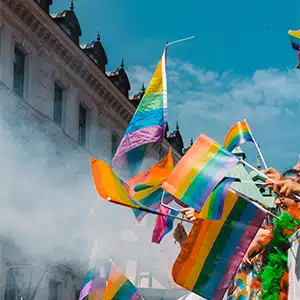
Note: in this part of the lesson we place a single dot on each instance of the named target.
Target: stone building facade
(64, 92)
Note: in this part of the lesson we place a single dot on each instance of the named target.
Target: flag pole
(166, 48)
(257, 146)
(148, 210)
(263, 175)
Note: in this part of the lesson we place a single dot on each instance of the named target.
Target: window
(19, 71)
(10, 288)
(58, 103)
(53, 289)
(114, 144)
(82, 125)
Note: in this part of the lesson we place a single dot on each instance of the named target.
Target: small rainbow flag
(93, 286)
(152, 201)
(119, 287)
(199, 172)
(213, 250)
(149, 121)
(238, 134)
(148, 181)
(108, 185)
(295, 39)
(213, 207)
(163, 224)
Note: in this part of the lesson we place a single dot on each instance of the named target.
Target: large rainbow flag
(213, 250)
(199, 171)
(119, 287)
(148, 123)
(238, 134)
(93, 286)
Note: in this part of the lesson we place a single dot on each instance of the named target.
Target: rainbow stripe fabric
(199, 172)
(238, 134)
(93, 286)
(163, 224)
(213, 250)
(295, 39)
(213, 207)
(148, 122)
(119, 287)
(108, 185)
(145, 187)
(152, 201)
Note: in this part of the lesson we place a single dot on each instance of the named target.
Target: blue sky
(240, 65)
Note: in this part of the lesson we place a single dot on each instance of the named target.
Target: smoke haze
(51, 209)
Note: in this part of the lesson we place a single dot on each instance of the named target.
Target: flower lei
(275, 260)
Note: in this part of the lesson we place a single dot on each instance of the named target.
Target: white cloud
(213, 102)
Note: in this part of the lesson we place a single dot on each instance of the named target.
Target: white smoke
(50, 208)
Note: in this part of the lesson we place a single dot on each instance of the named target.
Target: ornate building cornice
(51, 38)
(52, 41)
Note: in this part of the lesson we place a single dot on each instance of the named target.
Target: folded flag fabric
(152, 201)
(295, 39)
(93, 286)
(119, 287)
(238, 134)
(149, 192)
(213, 250)
(149, 121)
(148, 181)
(199, 171)
(213, 207)
(108, 184)
(163, 224)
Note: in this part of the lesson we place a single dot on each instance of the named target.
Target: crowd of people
(285, 186)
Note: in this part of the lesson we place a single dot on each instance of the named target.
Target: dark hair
(290, 173)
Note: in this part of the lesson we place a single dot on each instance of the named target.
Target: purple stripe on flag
(92, 286)
(136, 139)
(239, 253)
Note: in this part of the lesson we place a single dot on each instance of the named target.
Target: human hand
(180, 234)
(286, 188)
(273, 174)
(189, 213)
(256, 245)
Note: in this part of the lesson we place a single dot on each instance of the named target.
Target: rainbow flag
(152, 201)
(213, 250)
(295, 39)
(119, 287)
(238, 134)
(108, 185)
(149, 121)
(148, 181)
(93, 286)
(163, 224)
(199, 172)
(213, 207)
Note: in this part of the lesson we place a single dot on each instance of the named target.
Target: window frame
(85, 144)
(63, 104)
(27, 76)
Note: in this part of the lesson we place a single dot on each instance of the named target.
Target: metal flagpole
(257, 146)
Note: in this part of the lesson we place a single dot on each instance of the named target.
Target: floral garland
(274, 272)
